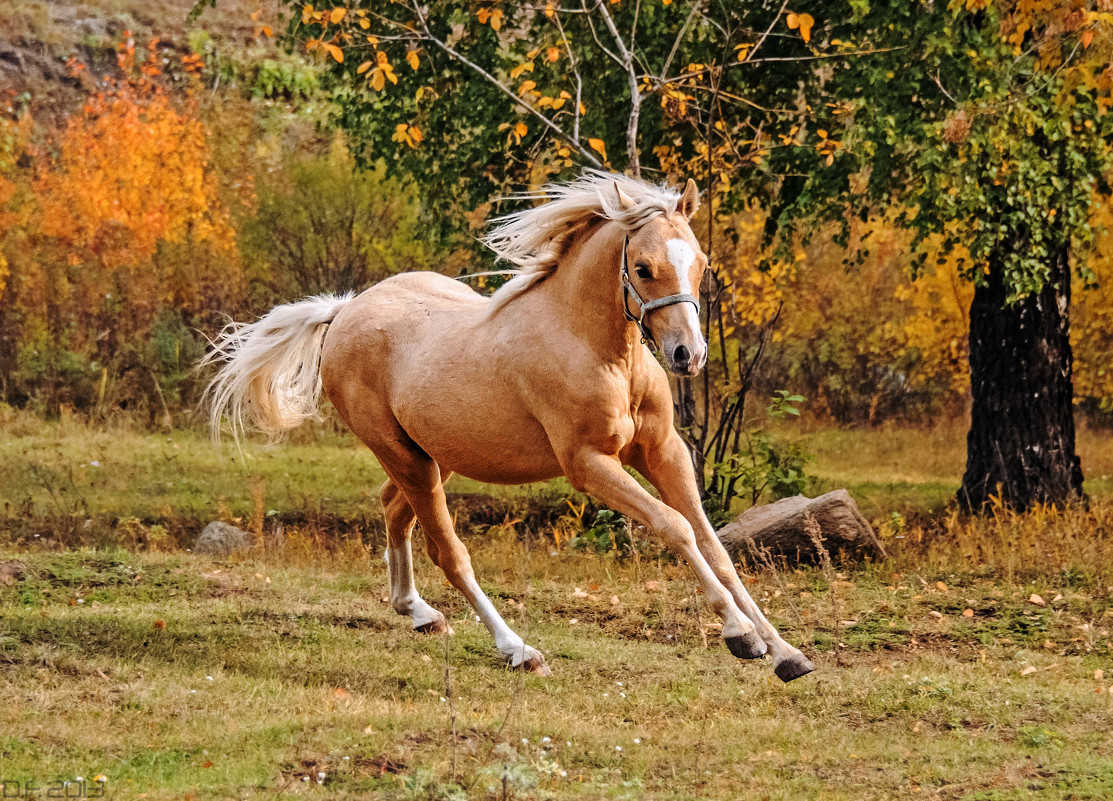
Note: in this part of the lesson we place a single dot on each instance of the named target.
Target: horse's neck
(587, 289)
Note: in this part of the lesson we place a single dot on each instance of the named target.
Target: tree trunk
(1021, 441)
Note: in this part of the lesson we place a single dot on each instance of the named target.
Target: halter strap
(645, 307)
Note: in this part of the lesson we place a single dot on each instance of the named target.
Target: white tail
(269, 377)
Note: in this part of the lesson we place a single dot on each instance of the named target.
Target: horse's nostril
(681, 355)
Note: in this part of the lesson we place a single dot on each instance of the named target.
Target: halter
(645, 307)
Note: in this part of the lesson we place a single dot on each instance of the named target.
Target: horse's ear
(688, 204)
(624, 201)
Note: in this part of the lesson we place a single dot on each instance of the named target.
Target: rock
(12, 571)
(221, 539)
(779, 528)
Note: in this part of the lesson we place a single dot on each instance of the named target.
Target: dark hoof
(793, 667)
(746, 646)
(435, 627)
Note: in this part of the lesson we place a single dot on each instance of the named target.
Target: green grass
(71, 468)
(176, 676)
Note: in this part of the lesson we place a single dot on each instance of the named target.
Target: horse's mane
(535, 238)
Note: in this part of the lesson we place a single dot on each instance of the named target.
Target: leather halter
(645, 307)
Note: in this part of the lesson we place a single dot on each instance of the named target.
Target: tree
(996, 137)
(127, 182)
(983, 122)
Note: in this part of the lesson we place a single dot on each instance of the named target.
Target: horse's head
(663, 268)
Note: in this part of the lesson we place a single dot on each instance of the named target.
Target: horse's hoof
(435, 627)
(530, 660)
(746, 646)
(793, 667)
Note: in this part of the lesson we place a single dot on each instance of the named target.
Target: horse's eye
(643, 272)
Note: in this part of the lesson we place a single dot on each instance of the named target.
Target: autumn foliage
(120, 230)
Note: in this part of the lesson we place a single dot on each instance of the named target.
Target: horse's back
(420, 351)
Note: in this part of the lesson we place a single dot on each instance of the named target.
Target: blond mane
(534, 239)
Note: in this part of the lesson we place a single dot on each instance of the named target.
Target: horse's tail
(269, 376)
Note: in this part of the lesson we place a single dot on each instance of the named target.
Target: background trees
(982, 125)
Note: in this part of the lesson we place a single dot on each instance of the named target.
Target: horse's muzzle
(686, 361)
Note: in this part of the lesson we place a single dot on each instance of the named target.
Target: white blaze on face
(681, 257)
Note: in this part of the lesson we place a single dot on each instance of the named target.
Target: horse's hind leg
(399, 559)
(418, 477)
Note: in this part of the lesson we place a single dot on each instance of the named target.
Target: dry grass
(940, 676)
(311, 672)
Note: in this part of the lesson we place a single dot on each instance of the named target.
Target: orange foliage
(132, 173)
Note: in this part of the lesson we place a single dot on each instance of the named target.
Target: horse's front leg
(602, 475)
(668, 467)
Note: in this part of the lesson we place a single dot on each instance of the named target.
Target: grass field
(177, 676)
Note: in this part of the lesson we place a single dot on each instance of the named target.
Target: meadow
(971, 664)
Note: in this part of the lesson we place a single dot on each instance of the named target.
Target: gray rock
(779, 528)
(221, 539)
(12, 571)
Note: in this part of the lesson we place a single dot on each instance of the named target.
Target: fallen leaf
(340, 692)
(935, 614)
(1099, 674)
(1028, 671)
(1037, 600)
(160, 624)
(578, 593)
(653, 586)
(614, 600)
(939, 585)
(968, 613)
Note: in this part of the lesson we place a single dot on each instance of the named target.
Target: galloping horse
(549, 376)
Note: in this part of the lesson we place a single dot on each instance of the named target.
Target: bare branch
(635, 92)
(576, 72)
(679, 37)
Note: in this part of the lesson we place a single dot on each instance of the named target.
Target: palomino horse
(547, 377)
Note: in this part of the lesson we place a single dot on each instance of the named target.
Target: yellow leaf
(598, 146)
(496, 19)
(362, 68)
(412, 60)
(378, 80)
(793, 21)
(1087, 37)
(416, 134)
(306, 14)
(337, 15)
(521, 129)
(549, 10)
(806, 23)
(552, 54)
(373, 40)
(364, 24)
(526, 87)
(268, 31)
(335, 52)
(516, 73)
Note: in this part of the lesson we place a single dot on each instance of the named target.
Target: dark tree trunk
(1021, 441)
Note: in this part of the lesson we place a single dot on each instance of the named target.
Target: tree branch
(552, 126)
(635, 92)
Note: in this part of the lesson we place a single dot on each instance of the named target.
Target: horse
(551, 375)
